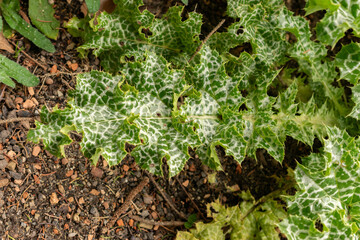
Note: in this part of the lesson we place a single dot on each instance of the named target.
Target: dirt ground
(42, 197)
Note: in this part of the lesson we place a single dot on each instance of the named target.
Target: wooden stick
(166, 197)
(151, 222)
(207, 38)
(124, 207)
(10, 120)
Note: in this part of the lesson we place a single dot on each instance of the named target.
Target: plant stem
(207, 38)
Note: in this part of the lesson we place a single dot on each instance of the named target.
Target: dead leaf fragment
(36, 179)
(120, 223)
(74, 66)
(94, 192)
(131, 222)
(28, 104)
(69, 173)
(186, 183)
(31, 91)
(126, 168)
(18, 100)
(5, 45)
(192, 167)
(81, 200)
(66, 226)
(53, 69)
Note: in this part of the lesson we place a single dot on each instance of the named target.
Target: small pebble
(49, 81)
(94, 212)
(71, 235)
(59, 93)
(3, 164)
(4, 134)
(36, 151)
(4, 182)
(11, 166)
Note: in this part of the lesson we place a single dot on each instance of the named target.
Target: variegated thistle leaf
(259, 224)
(257, 25)
(348, 61)
(110, 113)
(341, 16)
(327, 203)
(121, 34)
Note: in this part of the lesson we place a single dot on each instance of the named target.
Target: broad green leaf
(93, 5)
(41, 14)
(348, 61)
(232, 222)
(341, 16)
(9, 10)
(19, 73)
(328, 192)
(4, 78)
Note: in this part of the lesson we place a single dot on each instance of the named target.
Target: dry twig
(10, 120)
(32, 59)
(124, 207)
(206, 38)
(190, 197)
(166, 197)
(151, 222)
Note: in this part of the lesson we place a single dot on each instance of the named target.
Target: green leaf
(19, 73)
(4, 78)
(317, 5)
(41, 14)
(258, 26)
(347, 60)
(304, 49)
(9, 10)
(174, 39)
(328, 192)
(120, 114)
(340, 17)
(93, 5)
(190, 221)
(234, 223)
